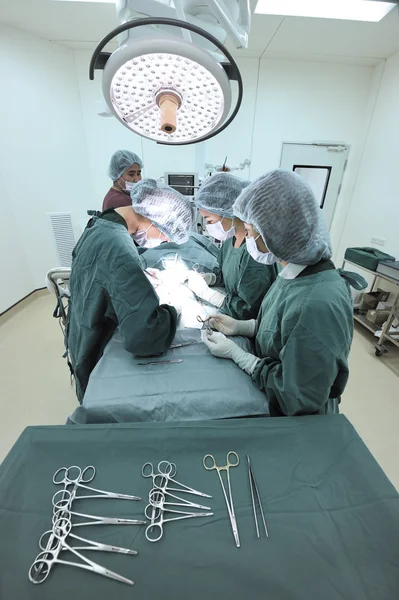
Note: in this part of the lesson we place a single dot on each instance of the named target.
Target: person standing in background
(125, 171)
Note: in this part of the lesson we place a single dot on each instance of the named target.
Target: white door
(322, 166)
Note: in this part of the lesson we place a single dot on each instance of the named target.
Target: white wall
(15, 278)
(55, 149)
(43, 153)
(284, 101)
(307, 102)
(374, 208)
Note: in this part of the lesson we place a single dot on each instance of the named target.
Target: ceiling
(82, 25)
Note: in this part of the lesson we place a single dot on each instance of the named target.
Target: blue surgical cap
(166, 208)
(283, 209)
(218, 193)
(121, 161)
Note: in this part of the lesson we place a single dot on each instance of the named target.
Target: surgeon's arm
(146, 327)
(252, 287)
(219, 273)
(299, 383)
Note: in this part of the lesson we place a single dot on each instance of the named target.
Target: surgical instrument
(159, 506)
(79, 482)
(65, 512)
(205, 322)
(160, 362)
(155, 493)
(254, 490)
(91, 545)
(41, 567)
(182, 345)
(166, 472)
(229, 499)
(147, 272)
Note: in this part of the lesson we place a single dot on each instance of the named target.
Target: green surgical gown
(109, 289)
(246, 281)
(304, 334)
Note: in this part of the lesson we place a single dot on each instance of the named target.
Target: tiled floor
(35, 387)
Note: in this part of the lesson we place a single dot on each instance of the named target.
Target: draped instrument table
(332, 515)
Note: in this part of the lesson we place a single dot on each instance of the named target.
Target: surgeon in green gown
(246, 280)
(303, 334)
(108, 286)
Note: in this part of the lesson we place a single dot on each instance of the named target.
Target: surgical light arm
(233, 17)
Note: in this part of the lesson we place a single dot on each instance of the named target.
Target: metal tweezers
(255, 492)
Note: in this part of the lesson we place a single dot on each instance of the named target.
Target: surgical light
(351, 10)
(165, 88)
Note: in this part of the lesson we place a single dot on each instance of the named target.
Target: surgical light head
(164, 88)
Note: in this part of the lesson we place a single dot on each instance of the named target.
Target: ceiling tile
(339, 38)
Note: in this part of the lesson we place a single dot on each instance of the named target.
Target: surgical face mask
(128, 185)
(266, 258)
(216, 231)
(153, 243)
(141, 239)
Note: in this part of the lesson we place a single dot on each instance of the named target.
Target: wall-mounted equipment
(185, 183)
(211, 168)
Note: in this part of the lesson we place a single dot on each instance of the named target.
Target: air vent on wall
(64, 236)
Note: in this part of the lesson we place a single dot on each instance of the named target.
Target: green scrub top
(109, 289)
(246, 281)
(304, 334)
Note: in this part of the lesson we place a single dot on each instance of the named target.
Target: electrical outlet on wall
(378, 241)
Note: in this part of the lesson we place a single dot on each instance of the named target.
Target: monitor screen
(182, 183)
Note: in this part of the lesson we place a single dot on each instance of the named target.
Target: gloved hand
(230, 326)
(219, 345)
(198, 285)
(209, 278)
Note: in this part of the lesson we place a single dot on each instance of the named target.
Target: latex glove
(219, 345)
(209, 278)
(230, 326)
(198, 285)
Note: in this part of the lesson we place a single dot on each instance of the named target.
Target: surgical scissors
(168, 473)
(65, 512)
(44, 561)
(159, 506)
(205, 322)
(229, 498)
(80, 482)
